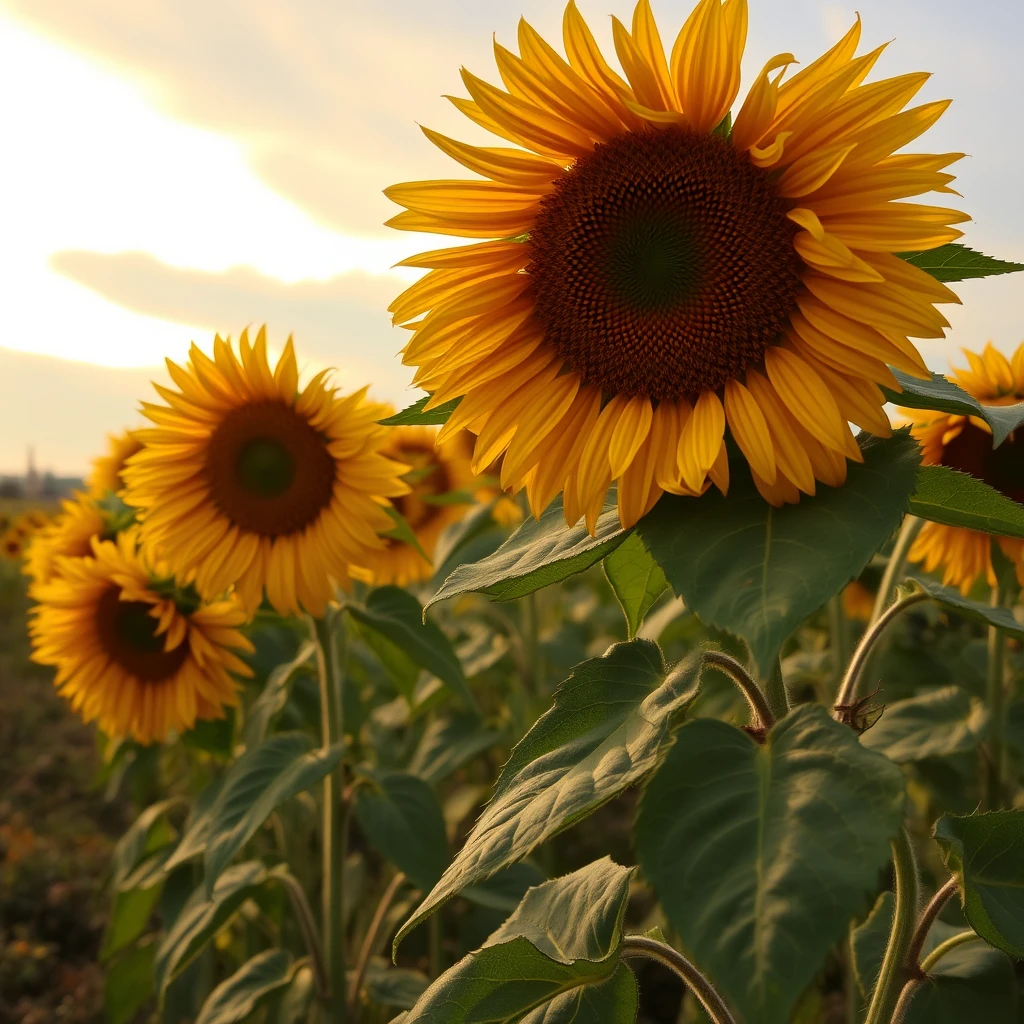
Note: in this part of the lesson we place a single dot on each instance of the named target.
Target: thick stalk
(996, 696)
(904, 542)
(848, 690)
(330, 655)
(775, 693)
(307, 925)
(924, 923)
(761, 714)
(714, 1005)
(893, 973)
(529, 628)
(899, 1015)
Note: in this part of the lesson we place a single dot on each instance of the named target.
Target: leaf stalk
(760, 711)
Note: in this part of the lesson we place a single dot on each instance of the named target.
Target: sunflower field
(663, 664)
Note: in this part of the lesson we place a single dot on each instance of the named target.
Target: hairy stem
(714, 1005)
(907, 535)
(910, 990)
(848, 690)
(996, 696)
(892, 975)
(924, 923)
(307, 925)
(775, 692)
(371, 941)
(330, 657)
(760, 711)
(968, 935)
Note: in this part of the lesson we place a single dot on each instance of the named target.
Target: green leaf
(128, 919)
(944, 495)
(615, 1001)
(984, 852)
(607, 729)
(403, 532)
(402, 820)
(399, 617)
(636, 579)
(1001, 618)
(293, 1005)
(541, 552)
(757, 571)
(129, 984)
(867, 944)
(197, 828)
(146, 834)
(415, 416)
(955, 262)
(202, 917)
(561, 938)
(449, 743)
(241, 995)
(762, 854)
(505, 889)
(274, 695)
(395, 987)
(256, 784)
(936, 724)
(212, 735)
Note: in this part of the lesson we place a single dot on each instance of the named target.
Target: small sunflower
(68, 535)
(965, 443)
(105, 477)
(12, 545)
(441, 485)
(655, 270)
(132, 652)
(247, 482)
(858, 601)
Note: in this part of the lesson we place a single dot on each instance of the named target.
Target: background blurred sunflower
(131, 653)
(664, 270)
(965, 443)
(107, 468)
(68, 535)
(441, 485)
(247, 481)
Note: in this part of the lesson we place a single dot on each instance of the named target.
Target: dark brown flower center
(663, 264)
(127, 632)
(427, 477)
(268, 470)
(971, 452)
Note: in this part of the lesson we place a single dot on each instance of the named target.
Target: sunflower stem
(902, 1010)
(996, 697)
(839, 629)
(760, 713)
(775, 693)
(904, 542)
(893, 974)
(329, 634)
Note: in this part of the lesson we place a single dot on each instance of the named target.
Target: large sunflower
(107, 468)
(68, 535)
(661, 271)
(131, 653)
(246, 481)
(965, 443)
(441, 484)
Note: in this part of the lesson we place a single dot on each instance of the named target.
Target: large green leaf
(448, 743)
(402, 819)
(396, 987)
(760, 855)
(145, 835)
(986, 853)
(236, 998)
(128, 919)
(274, 695)
(129, 984)
(562, 938)
(197, 827)
(947, 496)
(607, 729)
(956, 262)
(539, 553)
(416, 416)
(256, 784)
(1001, 618)
(398, 616)
(615, 1001)
(936, 724)
(636, 579)
(202, 917)
(758, 571)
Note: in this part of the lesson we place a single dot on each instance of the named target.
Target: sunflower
(133, 652)
(12, 545)
(655, 271)
(68, 535)
(441, 484)
(106, 469)
(245, 481)
(965, 443)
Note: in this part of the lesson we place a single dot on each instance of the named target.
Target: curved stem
(370, 941)
(307, 925)
(891, 977)
(911, 988)
(996, 697)
(760, 711)
(905, 540)
(640, 945)
(775, 692)
(330, 640)
(924, 923)
(848, 691)
(969, 935)
(839, 629)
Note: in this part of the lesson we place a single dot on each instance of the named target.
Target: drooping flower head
(965, 444)
(105, 477)
(654, 272)
(246, 481)
(132, 652)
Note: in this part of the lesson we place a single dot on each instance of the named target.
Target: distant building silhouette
(33, 487)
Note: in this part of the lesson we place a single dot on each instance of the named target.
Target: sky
(175, 168)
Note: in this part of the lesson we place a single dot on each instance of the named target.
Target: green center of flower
(653, 263)
(266, 467)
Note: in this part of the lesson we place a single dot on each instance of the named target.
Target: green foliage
(945, 496)
(983, 851)
(956, 262)
(416, 416)
(791, 835)
(636, 579)
(1001, 618)
(274, 695)
(129, 985)
(238, 997)
(758, 571)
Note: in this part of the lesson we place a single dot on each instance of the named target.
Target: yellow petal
(701, 440)
(749, 429)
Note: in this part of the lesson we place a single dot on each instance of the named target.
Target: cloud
(341, 322)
